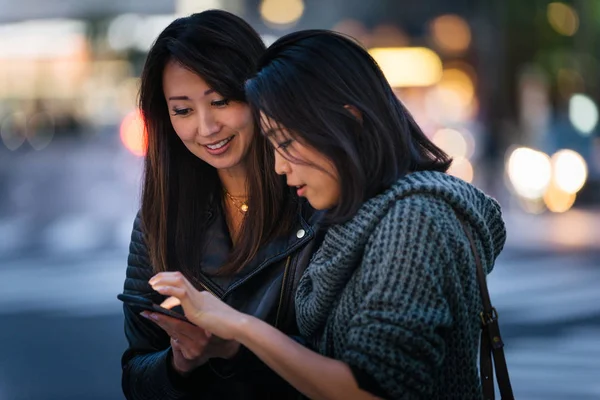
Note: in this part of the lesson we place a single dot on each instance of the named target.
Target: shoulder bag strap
(491, 341)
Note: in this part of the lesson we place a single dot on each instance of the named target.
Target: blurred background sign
(509, 88)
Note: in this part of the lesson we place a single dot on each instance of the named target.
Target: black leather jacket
(265, 289)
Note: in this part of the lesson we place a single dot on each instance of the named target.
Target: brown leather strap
(486, 369)
(491, 341)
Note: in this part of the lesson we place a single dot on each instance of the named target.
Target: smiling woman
(212, 210)
(215, 129)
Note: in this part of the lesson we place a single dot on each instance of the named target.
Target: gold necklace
(241, 206)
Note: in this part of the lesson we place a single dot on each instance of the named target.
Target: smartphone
(140, 303)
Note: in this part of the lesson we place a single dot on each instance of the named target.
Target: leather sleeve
(146, 365)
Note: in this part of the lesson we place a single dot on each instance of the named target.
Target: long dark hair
(180, 191)
(306, 82)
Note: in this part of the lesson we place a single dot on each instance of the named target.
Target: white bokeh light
(583, 113)
(529, 172)
(569, 170)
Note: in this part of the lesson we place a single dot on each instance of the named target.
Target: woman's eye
(181, 111)
(284, 145)
(220, 103)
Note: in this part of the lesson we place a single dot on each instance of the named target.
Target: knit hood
(480, 211)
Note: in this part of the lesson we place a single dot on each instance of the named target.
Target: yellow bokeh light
(408, 66)
(557, 200)
(452, 99)
(281, 12)
(462, 168)
(459, 81)
(563, 18)
(452, 142)
(451, 33)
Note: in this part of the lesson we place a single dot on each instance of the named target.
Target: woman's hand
(201, 308)
(192, 346)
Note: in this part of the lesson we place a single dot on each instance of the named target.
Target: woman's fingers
(176, 328)
(172, 284)
(178, 292)
(162, 321)
(175, 279)
(170, 302)
(176, 345)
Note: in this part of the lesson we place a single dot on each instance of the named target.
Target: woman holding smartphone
(212, 209)
(389, 305)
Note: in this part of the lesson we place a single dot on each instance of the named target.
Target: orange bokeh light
(132, 133)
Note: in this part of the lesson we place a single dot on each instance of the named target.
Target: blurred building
(482, 77)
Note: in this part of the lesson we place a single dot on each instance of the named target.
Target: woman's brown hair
(180, 191)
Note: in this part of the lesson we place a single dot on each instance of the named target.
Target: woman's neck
(233, 180)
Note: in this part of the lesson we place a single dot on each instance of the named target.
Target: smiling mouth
(218, 145)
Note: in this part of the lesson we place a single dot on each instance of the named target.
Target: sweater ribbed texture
(393, 292)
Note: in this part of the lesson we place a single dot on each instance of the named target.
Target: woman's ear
(354, 111)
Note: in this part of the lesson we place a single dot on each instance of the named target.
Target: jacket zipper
(285, 273)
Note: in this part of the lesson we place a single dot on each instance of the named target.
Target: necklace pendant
(244, 207)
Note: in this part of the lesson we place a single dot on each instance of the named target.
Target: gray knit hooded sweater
(393, 292)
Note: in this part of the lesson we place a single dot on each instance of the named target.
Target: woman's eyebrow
(206, 93)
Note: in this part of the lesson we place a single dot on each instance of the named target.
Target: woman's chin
(225, 161)
(316, 204)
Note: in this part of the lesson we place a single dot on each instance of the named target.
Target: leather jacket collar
(217, 245)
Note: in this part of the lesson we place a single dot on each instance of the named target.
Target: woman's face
(215, 129)
(314, 175)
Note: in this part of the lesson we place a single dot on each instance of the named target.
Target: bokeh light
(451, 33)
(462, 168)
(408, 66)
(452, 142)
(459, 81)
(583, 113)
(563, 18)
(132, 133)
(569, 171)
(281, 12)
(452, 99)
(557, 200)
(529, 172)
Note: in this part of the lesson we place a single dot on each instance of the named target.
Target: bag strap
(491, 341)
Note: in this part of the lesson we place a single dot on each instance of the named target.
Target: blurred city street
(508, 88)
(64, 238)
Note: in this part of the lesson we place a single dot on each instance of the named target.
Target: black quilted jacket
(265, 289)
